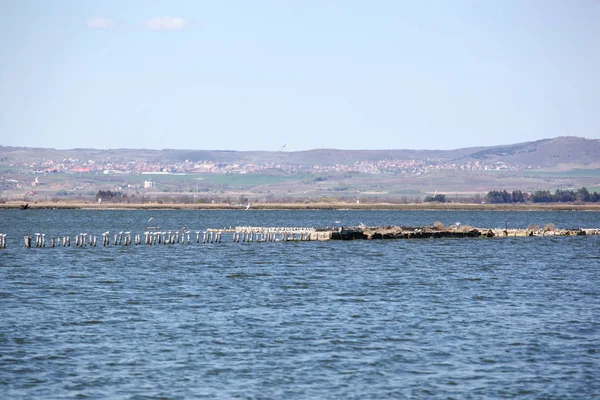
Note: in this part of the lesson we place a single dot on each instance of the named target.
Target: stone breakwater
(425, 232)
(283, 234)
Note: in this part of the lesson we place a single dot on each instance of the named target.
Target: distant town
(409, 167)
(206, 176)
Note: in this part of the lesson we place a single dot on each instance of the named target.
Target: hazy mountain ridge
(544, 153)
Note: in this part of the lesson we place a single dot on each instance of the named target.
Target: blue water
(444, 318)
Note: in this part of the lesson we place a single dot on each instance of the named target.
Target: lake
(436, 318)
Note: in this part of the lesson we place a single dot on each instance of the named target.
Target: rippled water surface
(443, 318)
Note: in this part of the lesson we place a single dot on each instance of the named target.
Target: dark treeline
(441, 198)
(109, 195)
(543, 196)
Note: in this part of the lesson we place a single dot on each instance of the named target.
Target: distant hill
(544, 153)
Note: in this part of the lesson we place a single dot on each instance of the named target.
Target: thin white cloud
(100, 23)
(165, 24)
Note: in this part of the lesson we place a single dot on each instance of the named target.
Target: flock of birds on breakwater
(182, 236)
(154, 236)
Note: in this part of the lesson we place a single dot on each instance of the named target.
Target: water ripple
(473, 318)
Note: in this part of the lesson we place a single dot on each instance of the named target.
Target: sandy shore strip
(305, 206)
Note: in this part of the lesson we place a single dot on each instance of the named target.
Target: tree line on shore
(543, 196)
(517, 196)
(493, 197)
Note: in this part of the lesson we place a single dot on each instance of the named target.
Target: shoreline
(309, 206)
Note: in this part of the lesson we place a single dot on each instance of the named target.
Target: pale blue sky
(257, 75)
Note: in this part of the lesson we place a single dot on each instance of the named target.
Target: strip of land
(305, 206)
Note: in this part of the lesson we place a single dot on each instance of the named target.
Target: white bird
(248, 206)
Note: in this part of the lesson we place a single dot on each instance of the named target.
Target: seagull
(248, 206)
(337, 222)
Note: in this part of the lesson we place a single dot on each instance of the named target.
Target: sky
(295, 75)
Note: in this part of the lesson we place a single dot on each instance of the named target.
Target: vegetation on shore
(580, 199)
(305, 206)
(543, 196)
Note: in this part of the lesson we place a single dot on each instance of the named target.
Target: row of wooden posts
(120, 239)
(238, 234)
(270, 234)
